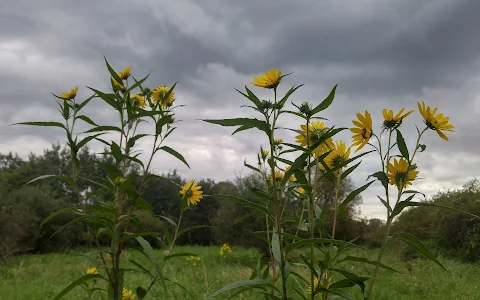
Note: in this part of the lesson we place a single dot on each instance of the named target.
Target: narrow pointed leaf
(325, 103)
(417, 245)
(401, 145)
(174, 153)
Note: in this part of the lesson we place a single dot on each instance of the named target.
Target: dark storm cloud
(382, 54)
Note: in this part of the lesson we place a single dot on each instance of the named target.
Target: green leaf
(59, 212)
(288, 94)
(242, 128)
(161, 122)
(380, 175)
(421, 147)
(276, 247)
(87, 120)
(169, 221)
(174, 153)
(242, 283)
(295, 245)
(325, 103)
(44, 124)
(367, 261)
(108, 98)
(81, 105)
(66, 179)
(86, 140)
(349, 170)
(143, 205)
(252, 97)
(139, 82)
(417, 245)
(261, 125)
(141, 292)
(78, 282)
(385, 203)
(401, 145)
(112, 72)
(116, 152)
(247, 203)
(354, 194)
(402, 204)
(250, 166)
(103, 128)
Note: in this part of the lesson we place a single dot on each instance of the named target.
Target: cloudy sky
(381, 53)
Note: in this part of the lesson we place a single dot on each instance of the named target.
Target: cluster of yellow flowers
(225, 249)
(193, 260)
(401, 170)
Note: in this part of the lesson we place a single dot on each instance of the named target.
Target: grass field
(41, 277)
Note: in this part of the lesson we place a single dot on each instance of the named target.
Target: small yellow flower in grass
(437, 122)
(363, 130)
(338, 156)
(278, 175)
(125, 73)
(127, 294)
(315, 131)
(138, 100)
(391, 121)
(325, 282)
(225, 249)
(159, 96)
(70, 95)
(92, 270)
(192, 191)
(269, 80)
(401, 173)
(193, 260)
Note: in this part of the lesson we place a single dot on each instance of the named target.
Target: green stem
(379, 258)
(176, 231)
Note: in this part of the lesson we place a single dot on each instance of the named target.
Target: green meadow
(41, 277)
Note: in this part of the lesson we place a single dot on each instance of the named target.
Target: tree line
(24, 206)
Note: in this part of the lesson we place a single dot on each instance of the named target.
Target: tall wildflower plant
(136, 106)
(399, 169)
(318, 157)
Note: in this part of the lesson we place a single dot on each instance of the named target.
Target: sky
(382, 54)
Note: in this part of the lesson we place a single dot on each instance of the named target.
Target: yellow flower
(225, 249)
(265, 153)
(138, 100)
(278, 175)
(393, 121)
(92, 270)
(159, 93)
(127, 294)
(339, 155)
(400, 172)
(292, 177)
(278, 141)
(363, 131)
(70, 95)
(325, 282)
(269, 80)
(193, 260)
(437, 122)
(192, 191)
(125, 73)
(301, 190)
(315, 132)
